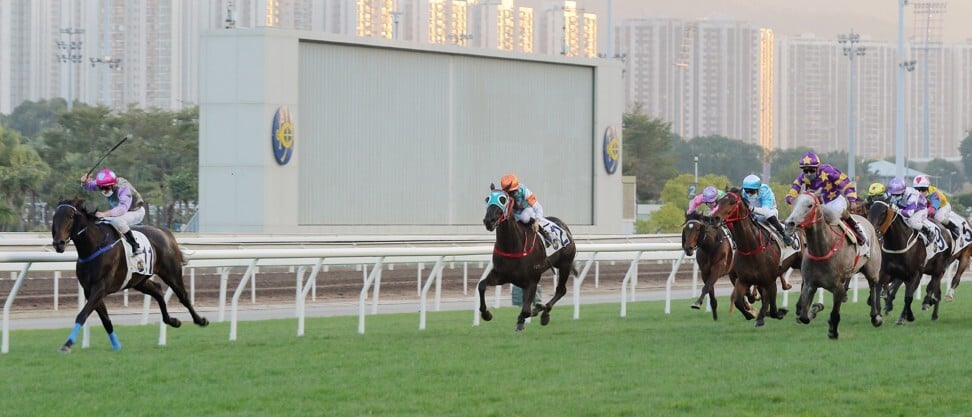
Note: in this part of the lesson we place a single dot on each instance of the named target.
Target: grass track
(646, 364)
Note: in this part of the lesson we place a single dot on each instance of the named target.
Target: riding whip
(106, 154)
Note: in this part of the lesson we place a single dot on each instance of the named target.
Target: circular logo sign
(282, 136)
(612, 150)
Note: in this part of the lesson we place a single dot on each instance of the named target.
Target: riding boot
(858, 231)
(954, 229)
(787, 240)
(927, 234)
(131, 241)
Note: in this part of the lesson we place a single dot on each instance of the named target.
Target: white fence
(315, 259)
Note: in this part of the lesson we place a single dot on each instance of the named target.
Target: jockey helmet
(509, 182)
(809, 160)
(876, 189)
(709, 194)
(922, 182)
(105, 178)
(751, 182)
(896, 186)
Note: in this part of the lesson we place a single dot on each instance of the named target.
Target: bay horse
(757, 258)
(102, 266)
(904, 260)
(830, 261)
(713, 253)
(519, 258)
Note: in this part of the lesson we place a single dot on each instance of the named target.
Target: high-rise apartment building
(145, 52)
(707, 77)
(566, 29)
(963, 89)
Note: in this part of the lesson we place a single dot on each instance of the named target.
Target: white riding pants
(124, 222)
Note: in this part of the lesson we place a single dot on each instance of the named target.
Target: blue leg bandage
(74, 333)
(115, 344)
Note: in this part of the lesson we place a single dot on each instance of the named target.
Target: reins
(506, 215)
(73, 235)
(816, 216)
(735, 216)
(889, 216)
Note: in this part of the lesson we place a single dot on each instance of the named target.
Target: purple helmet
(709, 194)
(896, 186)
(809, 160)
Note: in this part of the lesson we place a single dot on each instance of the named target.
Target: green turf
(646, 364)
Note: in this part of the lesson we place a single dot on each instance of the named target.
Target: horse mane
(78, 203)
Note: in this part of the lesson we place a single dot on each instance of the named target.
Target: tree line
(45, 149)
(664, 167)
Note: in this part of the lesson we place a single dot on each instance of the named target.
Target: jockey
(833, 187)
(708, 197)
(127, 205)
(526, 207)
(762, 203)
(912, 206)
(937, 203)
(876, 191)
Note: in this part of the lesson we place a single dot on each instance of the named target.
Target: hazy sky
(877, 19)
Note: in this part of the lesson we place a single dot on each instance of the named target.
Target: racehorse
(963, 257)
(102, 268)
(757, 257)
(830, 261)
(713, 253)
(904, 260)
(519, 258)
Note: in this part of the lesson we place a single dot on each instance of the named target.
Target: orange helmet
(509, 182)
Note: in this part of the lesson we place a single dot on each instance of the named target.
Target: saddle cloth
(558, 235)
(785, 251)
(936, 244)
(142, 263)
(965, 234)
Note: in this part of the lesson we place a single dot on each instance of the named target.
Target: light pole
(899, 87)
(70, 54)
(111, 63)
(851, 50)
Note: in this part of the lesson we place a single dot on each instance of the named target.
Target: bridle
(74, 235)
(496, 198)
(734, 216)
(890, 214)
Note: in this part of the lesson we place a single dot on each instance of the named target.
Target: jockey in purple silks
(708, 197)
(834, 188)
(912, 206)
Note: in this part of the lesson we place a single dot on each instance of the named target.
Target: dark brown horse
(757, 257)
(830, 261)
(713, 253)
(904, 260)
(102, 266)
(519, 258)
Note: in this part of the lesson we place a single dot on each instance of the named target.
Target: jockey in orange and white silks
(526, 207)
(912, 206)
(127, 205)
(834, 187)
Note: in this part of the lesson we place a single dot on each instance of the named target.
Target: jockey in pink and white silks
(912, 206)
(708, 197)
(834, 187)
(762, 203)
(127, 205)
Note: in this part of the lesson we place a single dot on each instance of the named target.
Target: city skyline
(873, 19)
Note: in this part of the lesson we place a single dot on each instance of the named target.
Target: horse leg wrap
(73, 337)
(115, 344)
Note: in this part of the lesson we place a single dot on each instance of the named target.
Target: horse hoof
(545, 319)
(65, 349)
(174, 322)
(787, 286)
(817, 307)
(832, 335)
(900, 322)
(519, 327)
(696, 306)
(877, 321)
(781, 313)
(203, 322)
(803, 320)
(949, 298)
(760, 323)
(486, 315)
(924, 306)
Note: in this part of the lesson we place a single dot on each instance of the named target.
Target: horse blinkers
(494, 216)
